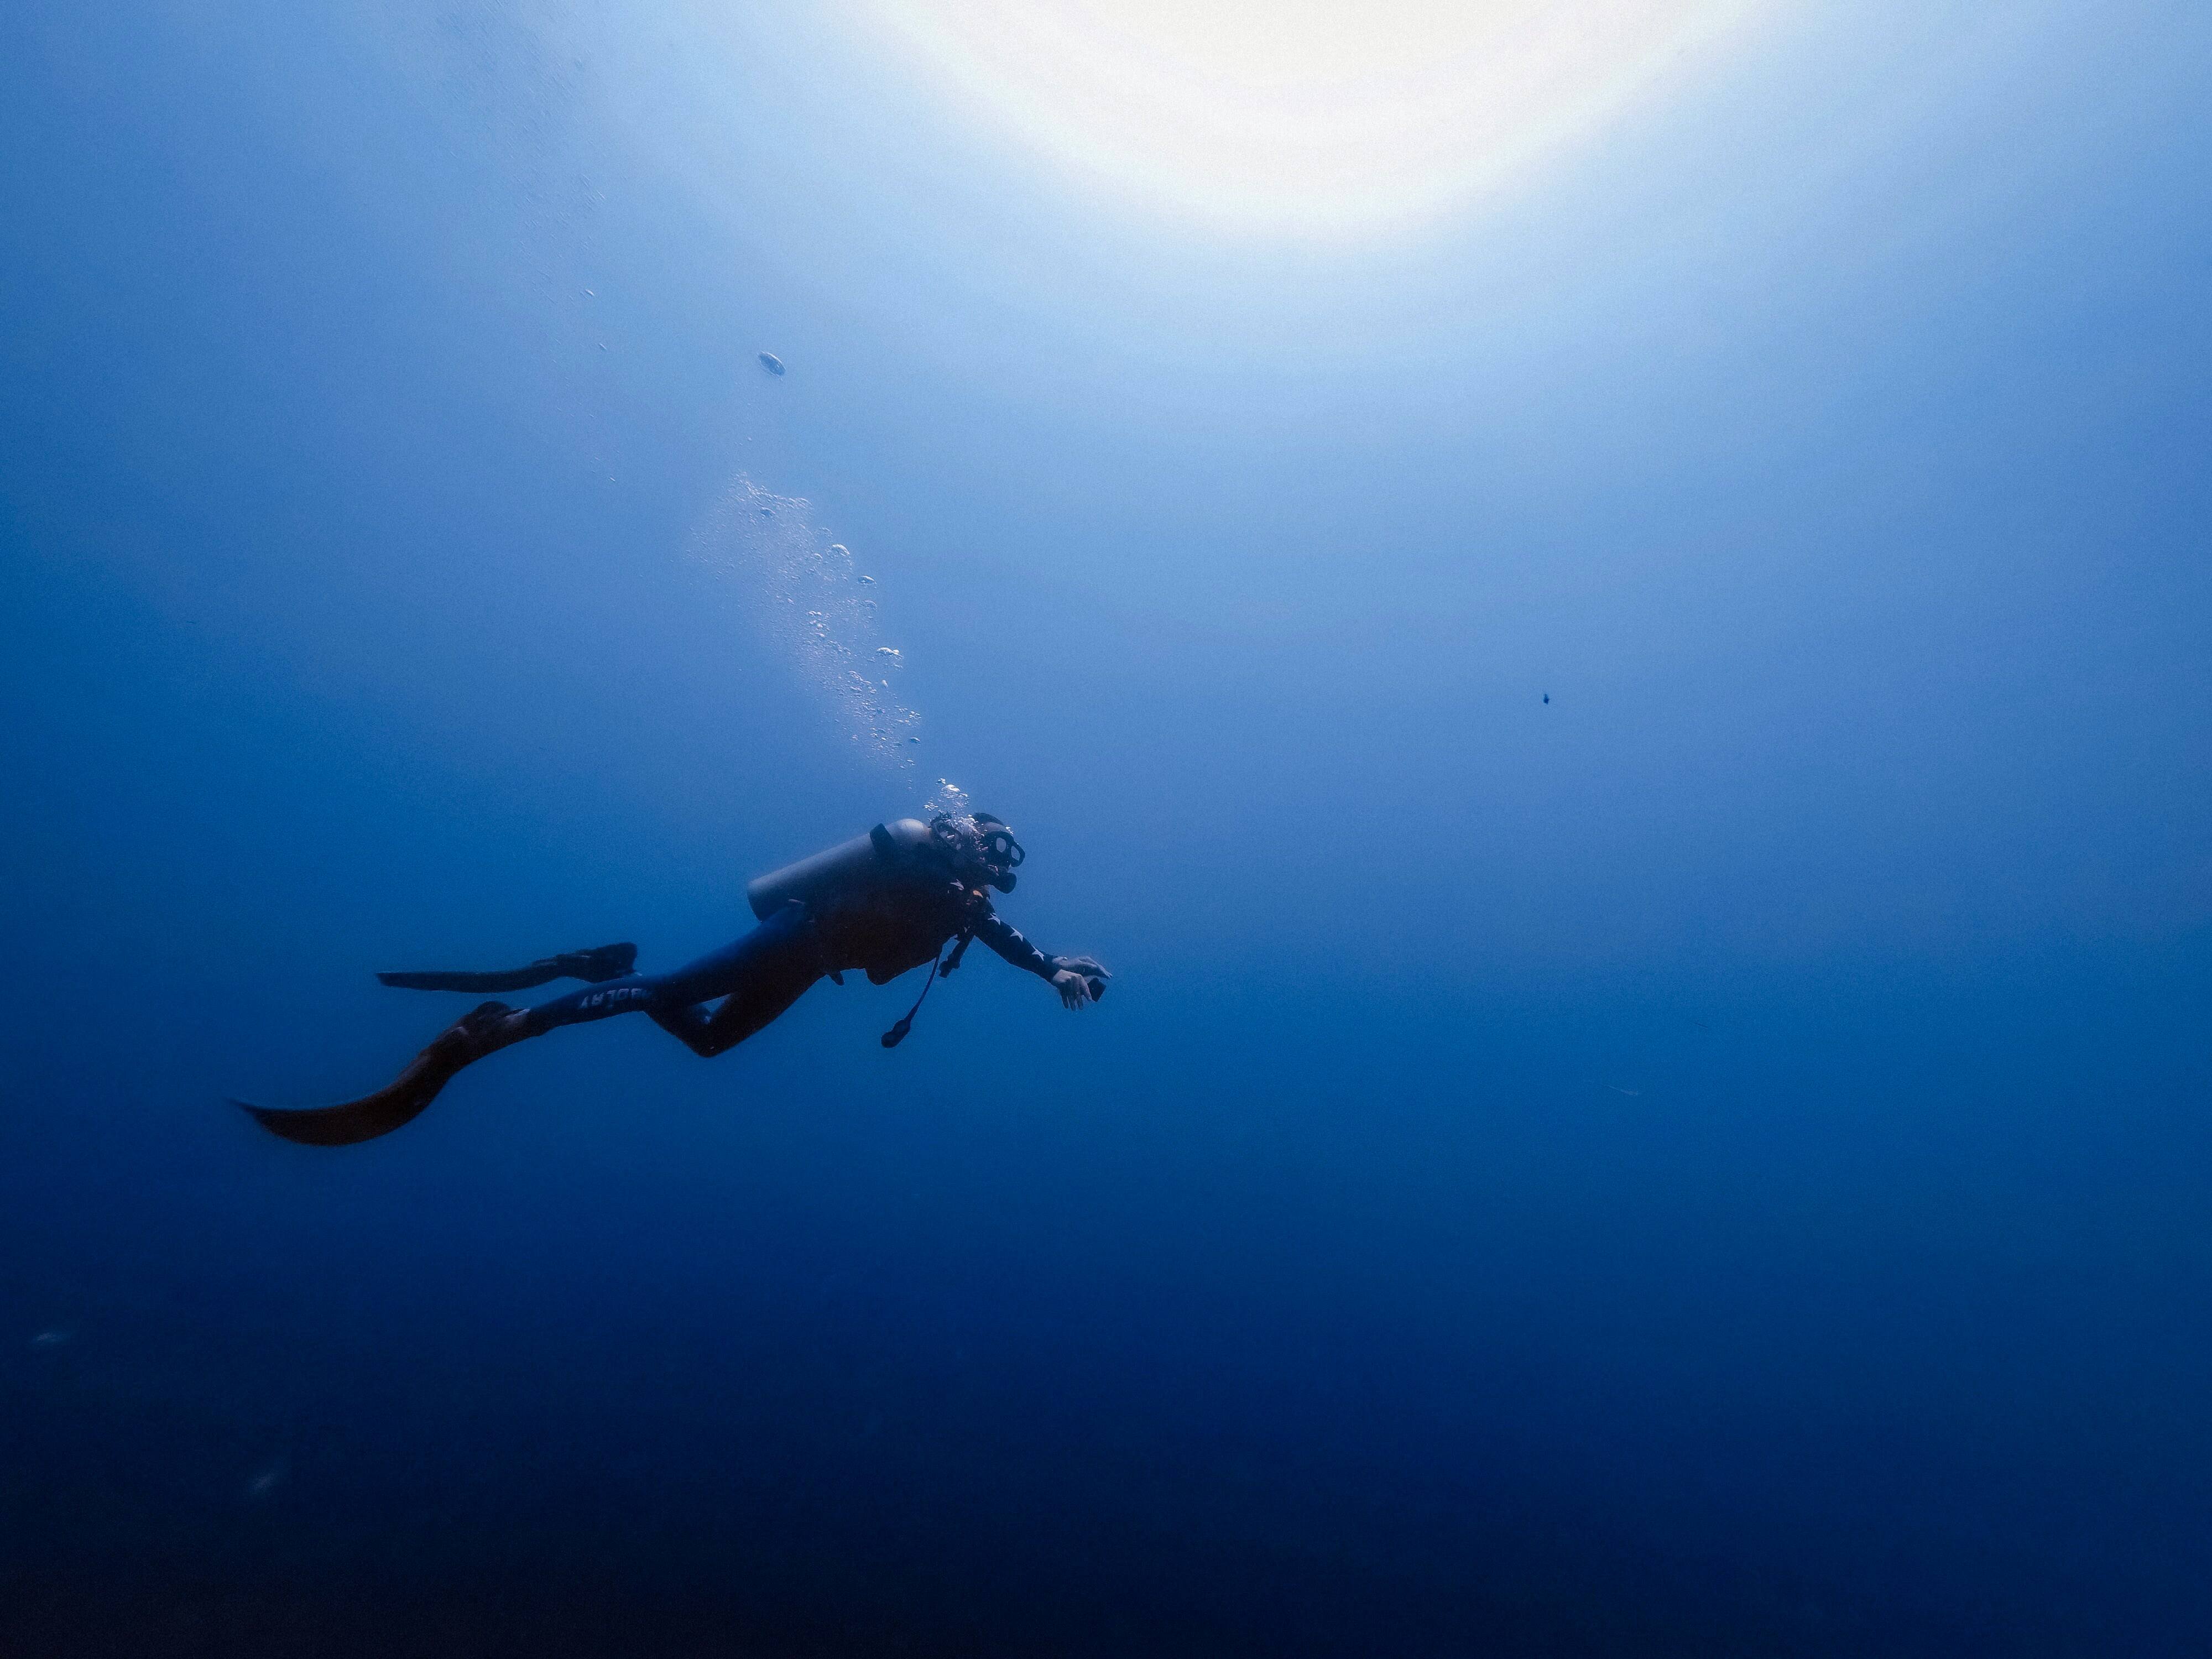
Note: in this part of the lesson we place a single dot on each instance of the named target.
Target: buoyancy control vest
(890, 898)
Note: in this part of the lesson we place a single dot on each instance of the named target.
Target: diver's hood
(979, 847)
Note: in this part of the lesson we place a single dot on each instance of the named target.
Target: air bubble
(771, 543)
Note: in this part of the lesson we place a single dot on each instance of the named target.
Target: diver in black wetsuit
(884, 903)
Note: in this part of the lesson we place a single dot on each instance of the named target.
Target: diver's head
(980, 848)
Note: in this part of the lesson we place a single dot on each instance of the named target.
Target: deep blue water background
(1713, 1163)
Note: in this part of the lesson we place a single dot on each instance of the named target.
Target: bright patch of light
(1322, 117)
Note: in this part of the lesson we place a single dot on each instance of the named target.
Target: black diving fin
(595, 967)
(476, 1034)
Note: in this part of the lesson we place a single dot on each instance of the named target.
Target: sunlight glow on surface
(1312, 116)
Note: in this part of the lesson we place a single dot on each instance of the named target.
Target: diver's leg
(621, 996)
(761, 975)
(687, 1025)
(758, 977)
(773, 983)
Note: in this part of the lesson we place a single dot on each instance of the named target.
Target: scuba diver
(884, 903)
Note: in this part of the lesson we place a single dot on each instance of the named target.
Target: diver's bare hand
(1074, 989)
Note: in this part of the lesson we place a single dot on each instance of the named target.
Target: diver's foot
(600, 964)
(485, 1029)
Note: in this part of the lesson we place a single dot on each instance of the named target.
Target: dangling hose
(897, 1035)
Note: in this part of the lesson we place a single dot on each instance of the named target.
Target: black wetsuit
(894, 912)
(883, 932)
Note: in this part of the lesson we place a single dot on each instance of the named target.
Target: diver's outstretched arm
(1079, 980)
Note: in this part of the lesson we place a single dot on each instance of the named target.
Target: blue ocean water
(1641, 756)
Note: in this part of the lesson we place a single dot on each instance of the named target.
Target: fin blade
(516, 979)
(400, 1101)
(347, 1124)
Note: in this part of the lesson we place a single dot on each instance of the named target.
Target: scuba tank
(887, 855)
